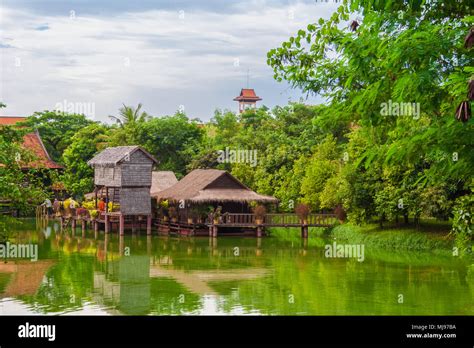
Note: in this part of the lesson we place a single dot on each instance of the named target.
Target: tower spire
(247, 99)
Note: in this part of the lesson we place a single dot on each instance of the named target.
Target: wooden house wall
(136, 174)
(108, 176)
(135, 200)
(137, 171)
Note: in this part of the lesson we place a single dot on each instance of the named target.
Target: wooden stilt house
(123, 175)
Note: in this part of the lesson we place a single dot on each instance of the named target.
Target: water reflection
(149, 275)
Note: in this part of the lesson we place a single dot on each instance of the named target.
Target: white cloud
(154, 57)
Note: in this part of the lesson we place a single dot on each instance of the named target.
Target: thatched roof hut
(161, 180)
(203, 186)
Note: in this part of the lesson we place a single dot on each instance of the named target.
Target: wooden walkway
(228, 224)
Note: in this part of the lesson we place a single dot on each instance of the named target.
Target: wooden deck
(228, 224)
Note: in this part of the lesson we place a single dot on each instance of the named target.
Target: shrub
(462, 223)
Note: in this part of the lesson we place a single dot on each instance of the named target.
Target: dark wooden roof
(111, 156)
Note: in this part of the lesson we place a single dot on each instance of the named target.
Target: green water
(140, 275)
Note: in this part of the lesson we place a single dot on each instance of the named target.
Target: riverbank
(430, 235)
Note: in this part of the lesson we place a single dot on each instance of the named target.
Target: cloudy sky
(163, 54)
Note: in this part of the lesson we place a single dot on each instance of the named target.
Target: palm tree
(129, 115)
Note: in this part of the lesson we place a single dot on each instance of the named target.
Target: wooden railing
(284, 219)
(237, 219)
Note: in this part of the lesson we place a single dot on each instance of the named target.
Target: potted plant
(173, 213)
(195, 215)
(81, 213)
(94, 213)
(199, 213)
(163, 211)
(302, 210)
(259, 211)
(190, 217)
(217, 215)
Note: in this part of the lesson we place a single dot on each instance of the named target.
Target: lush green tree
(173, 140)
(78, 177)
(129, 121)
(129, 115)
(57, 129)
(323, 165)
(408, 54)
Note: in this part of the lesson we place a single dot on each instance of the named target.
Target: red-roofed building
(247, 99)
(32, 141)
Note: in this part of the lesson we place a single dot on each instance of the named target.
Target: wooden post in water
(148, 245)
(258, 251)
(304, 231)
(214, 231)
(121, 224)
(96, 228)
(121, 245)
(106, 221)
(61, 221)
(83, 228)
(73, 224)
(305, 244)
(259, 231)
(148, 225)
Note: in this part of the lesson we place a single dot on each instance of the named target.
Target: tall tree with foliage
(78, 177)
(129, 120)
(57, 129)
(401, 52)
(173, 140)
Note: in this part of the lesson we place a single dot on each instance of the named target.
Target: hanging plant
(470, 90)
(354, 25)
(463, 111)
(469, 39)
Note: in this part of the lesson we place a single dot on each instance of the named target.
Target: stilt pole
(106, 221)
(148, 225)
(121, 224)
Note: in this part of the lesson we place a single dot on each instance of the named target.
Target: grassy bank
(429, 236)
